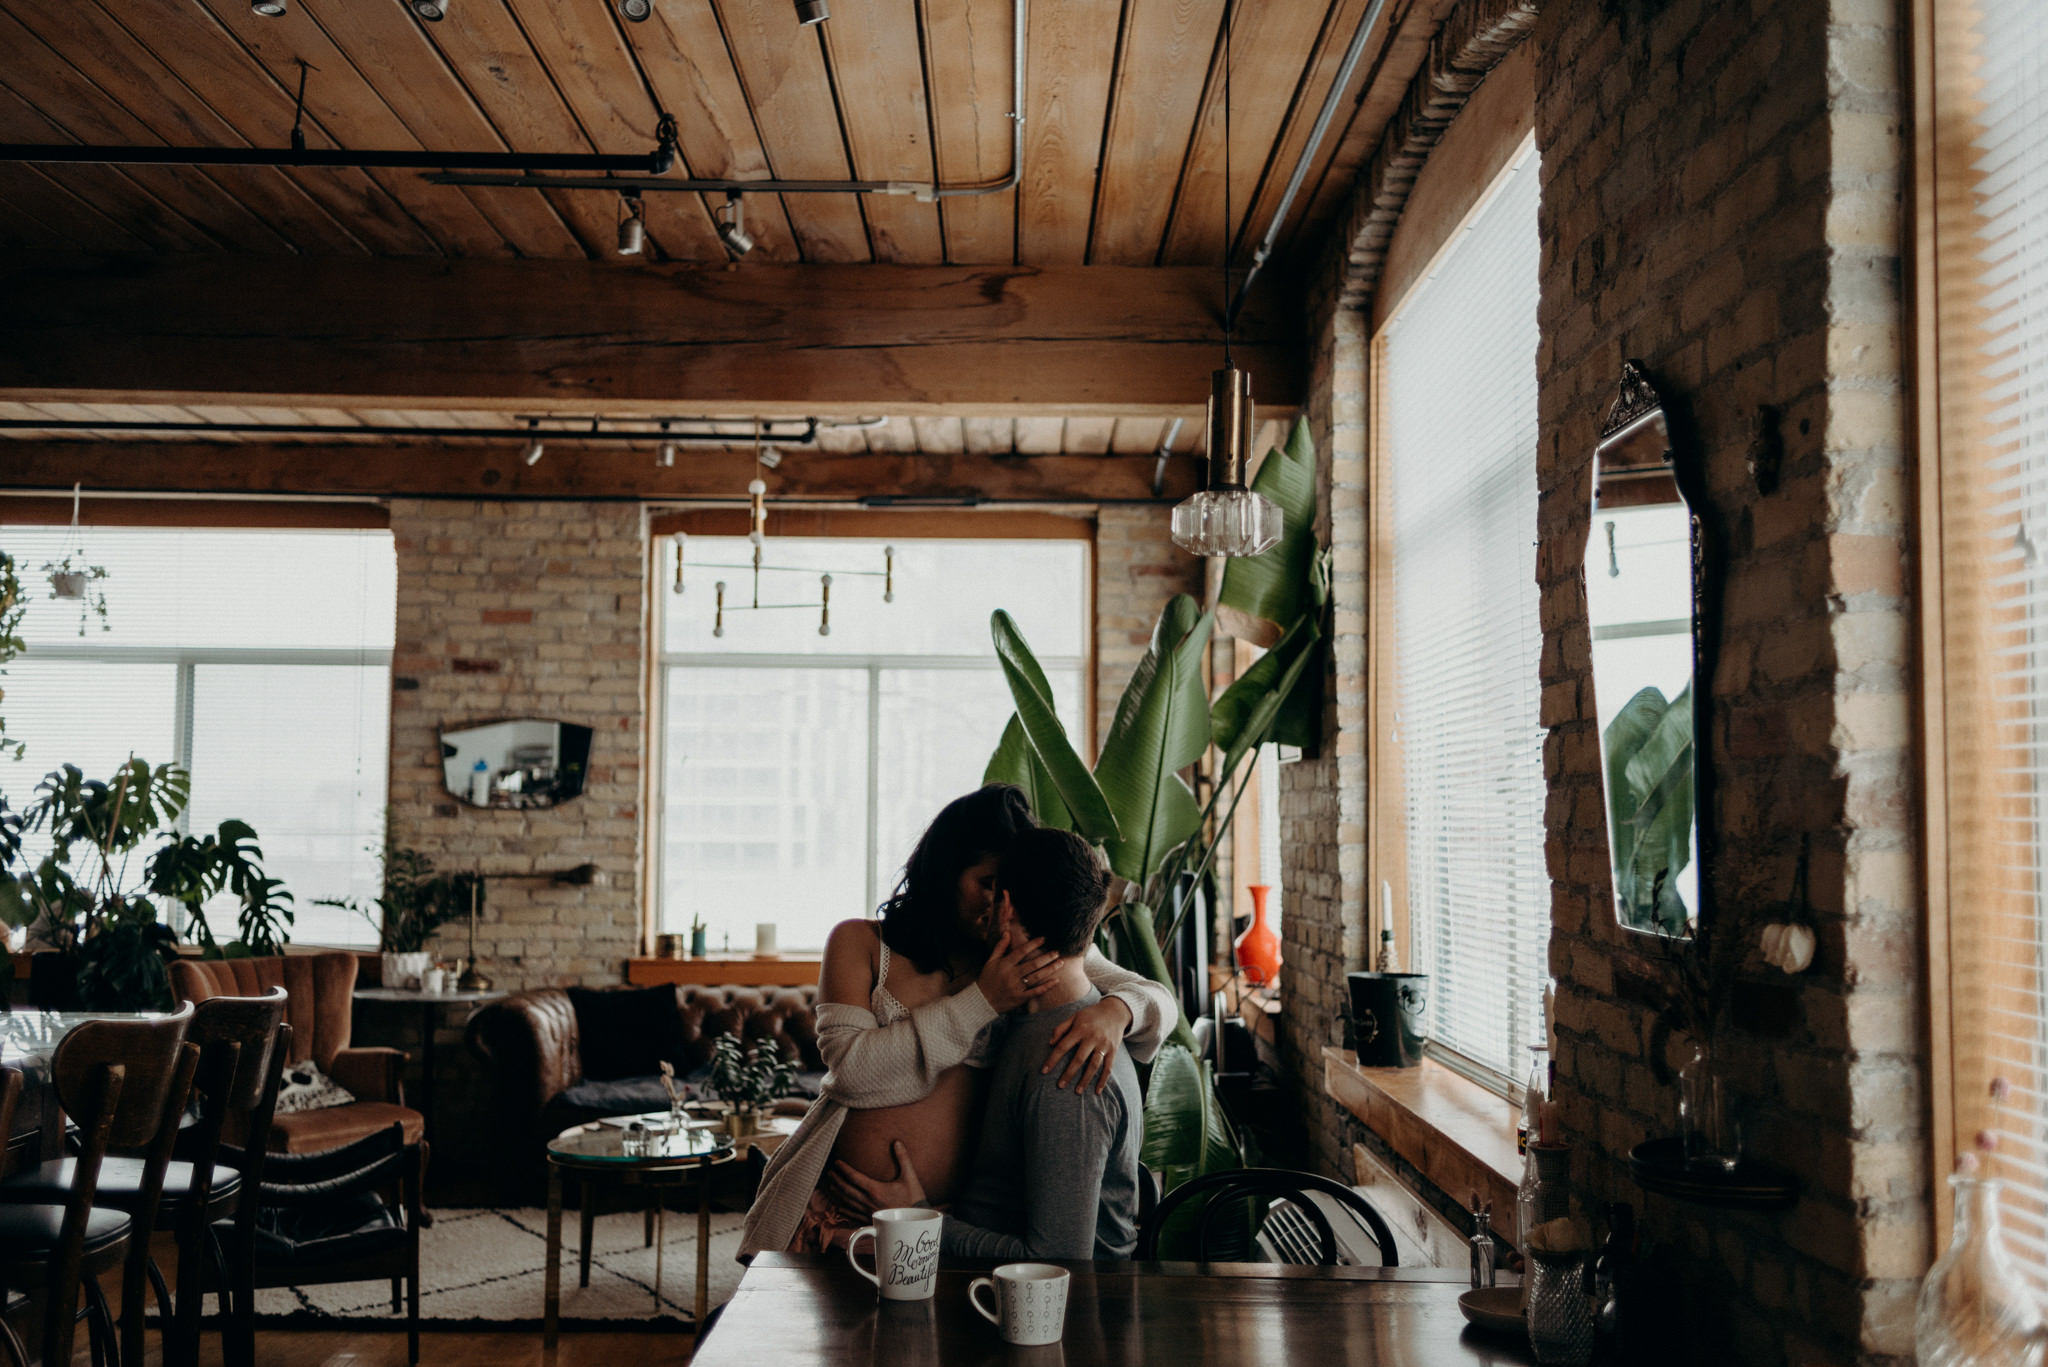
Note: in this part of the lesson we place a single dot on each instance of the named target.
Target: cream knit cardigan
(874, 1065)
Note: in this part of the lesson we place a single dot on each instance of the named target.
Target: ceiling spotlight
(534, 448)
(632, 228)
(810, 12)
(433, 11)
(769, 457)
(733, 231)
(268, 9)
(665, 454)
(636, 10)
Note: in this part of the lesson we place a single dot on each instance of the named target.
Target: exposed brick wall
(1721, 199)
(525, 610)
(1137, 569)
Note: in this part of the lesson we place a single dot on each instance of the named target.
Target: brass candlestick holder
(472, 979)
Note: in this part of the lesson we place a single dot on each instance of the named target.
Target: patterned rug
(487, 1269)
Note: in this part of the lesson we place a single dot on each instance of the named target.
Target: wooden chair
(125, 1084)
(233, 1273)
(367, 1240)
(1223, 1190)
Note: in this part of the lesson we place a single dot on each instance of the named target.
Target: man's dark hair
(1057, 886)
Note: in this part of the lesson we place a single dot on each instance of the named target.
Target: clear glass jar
(1974, 1311)
(1708, 1116)
(1560, 1311)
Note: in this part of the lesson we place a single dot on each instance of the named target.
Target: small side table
(426, 1002)
(595, 1154)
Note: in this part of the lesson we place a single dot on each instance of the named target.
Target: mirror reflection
(1641, 601)
(516, 764)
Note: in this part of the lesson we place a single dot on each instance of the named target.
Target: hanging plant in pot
(84, 901)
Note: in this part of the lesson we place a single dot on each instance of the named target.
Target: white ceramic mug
(1031, 1301)
(906, 1252)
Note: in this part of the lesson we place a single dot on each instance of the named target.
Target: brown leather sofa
(321, 988)
(534, 1047)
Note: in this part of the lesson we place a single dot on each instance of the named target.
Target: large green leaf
(1161, 727)
(1134, 936)
(1649, 755)
(1244, 716)
(1186, 1133)
(1263, 595)
(1041, 725)
(1015, 762)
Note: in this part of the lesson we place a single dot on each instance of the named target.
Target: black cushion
(120, 1183)
(625, 1032)
(337, 1230)
(617, 1096)
(28, 1232)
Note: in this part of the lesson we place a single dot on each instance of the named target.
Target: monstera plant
(1649, 755)
(1135, 803)
(115, 865)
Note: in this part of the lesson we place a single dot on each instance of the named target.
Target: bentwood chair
(125, 1084)
(1298, 1227)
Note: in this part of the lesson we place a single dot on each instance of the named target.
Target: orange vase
(1258, 949)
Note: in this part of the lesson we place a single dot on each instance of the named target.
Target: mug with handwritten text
(906, 1252)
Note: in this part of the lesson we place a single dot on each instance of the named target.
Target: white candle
(764, 939)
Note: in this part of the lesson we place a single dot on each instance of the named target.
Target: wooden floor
(308, 1349)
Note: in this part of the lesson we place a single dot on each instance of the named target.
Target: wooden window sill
(1457, 1134)
(723, 970)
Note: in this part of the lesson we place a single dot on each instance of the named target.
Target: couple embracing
(980, 1054)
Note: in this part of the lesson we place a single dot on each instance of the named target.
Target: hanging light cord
(1229, 22)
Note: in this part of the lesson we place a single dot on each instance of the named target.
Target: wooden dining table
(814, 1309)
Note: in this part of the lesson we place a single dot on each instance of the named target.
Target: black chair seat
(28, 1233)
(345, 1228)
(120, 1185)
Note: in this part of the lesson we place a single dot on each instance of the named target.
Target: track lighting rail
(789, 432)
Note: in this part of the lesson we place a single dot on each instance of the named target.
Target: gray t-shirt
(1056, 1171)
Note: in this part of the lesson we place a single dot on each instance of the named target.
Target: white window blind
(799, 769)
(1991, 237)
(259, 660)
(1458, 386)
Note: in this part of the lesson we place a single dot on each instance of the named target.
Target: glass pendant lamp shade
(1226, 518)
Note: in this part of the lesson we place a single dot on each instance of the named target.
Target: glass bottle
(1534, 1093)
(1974, 1310)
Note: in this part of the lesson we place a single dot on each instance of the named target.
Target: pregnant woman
(905, 1009)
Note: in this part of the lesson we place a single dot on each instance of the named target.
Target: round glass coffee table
(595, 1155)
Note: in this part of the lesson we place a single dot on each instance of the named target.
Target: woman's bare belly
(938, 1131)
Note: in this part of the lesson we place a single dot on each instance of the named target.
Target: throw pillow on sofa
(306, 1088)
(625, 1032)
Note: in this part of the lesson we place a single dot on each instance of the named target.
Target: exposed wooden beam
(573, 336)
(495, 471)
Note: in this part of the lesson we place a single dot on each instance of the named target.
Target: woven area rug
(487, 1269)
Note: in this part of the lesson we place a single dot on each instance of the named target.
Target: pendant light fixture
(1227, 518)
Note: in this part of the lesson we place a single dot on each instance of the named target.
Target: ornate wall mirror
(1642, 571)
(513, 764)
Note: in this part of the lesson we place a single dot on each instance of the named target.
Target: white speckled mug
(1031, 1301)
(906, 1252)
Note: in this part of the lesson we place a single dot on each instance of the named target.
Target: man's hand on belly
(863, 1195)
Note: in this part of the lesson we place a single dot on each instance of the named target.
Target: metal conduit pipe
(656, 162)
(1308, 152)
(796, 432)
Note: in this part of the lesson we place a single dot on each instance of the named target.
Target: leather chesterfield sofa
(533, 1046)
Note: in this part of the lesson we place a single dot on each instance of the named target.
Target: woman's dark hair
(921, 919)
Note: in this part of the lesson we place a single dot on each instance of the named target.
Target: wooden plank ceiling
(1123, 133)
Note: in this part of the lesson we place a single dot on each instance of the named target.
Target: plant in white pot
(415, 903)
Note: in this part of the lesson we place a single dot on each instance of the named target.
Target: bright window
(259, 660)
(1459, 853)
(799, 768)
(1984, 313)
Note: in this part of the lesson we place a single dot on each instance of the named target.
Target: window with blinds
(258, 660)
(1459, 637)
(1983, 307)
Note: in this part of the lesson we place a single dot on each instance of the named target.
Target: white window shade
(258, 660)
(1992, 272)
(1459, 423)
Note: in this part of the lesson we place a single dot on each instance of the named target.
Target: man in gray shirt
(1056, 1171)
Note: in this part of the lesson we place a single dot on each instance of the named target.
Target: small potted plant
(416, 902)
(748, 1080)
(696, 937)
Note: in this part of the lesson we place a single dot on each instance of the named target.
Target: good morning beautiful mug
(906, 1252)
(1031, 1301)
